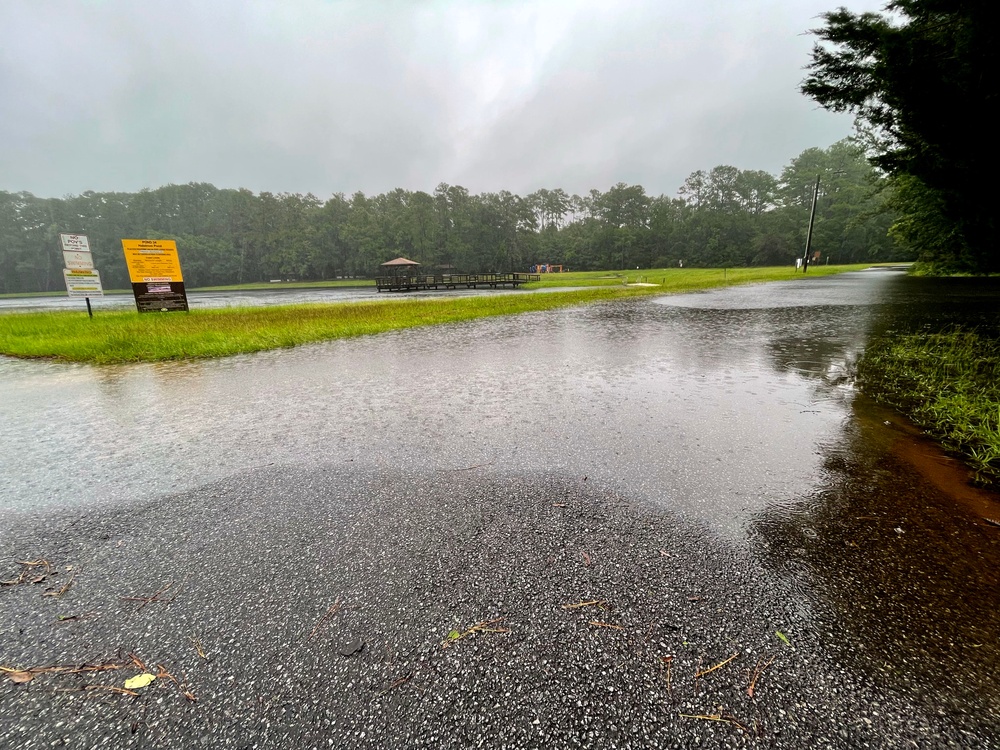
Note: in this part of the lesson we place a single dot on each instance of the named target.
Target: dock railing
(452, 281)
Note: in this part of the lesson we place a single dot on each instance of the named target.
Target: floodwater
(248, 298)
(670, 398)
(731, 408)
(719, 404)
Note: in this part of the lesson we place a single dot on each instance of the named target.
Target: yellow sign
(152, 261)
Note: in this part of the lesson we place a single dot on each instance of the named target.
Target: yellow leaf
(139, 681)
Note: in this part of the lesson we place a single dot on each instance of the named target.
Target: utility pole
(809, 233)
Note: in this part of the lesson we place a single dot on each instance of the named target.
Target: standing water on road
(670, 398)
(730, 409)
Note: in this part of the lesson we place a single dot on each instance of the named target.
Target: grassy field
(679, 278)
(947, 382)
(682, 279)
(126, 336)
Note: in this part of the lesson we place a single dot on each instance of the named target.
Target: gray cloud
(320, 96)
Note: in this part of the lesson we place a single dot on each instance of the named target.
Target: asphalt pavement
(343, 608)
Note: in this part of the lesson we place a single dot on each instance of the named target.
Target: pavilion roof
(401, 262)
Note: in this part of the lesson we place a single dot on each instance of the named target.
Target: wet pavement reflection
(731, 408)
(895, 552)
(667, 400)
(902, 580)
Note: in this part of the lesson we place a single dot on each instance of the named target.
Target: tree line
(721, 217)
(918, 78)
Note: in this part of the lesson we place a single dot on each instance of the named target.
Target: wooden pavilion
(402, 276)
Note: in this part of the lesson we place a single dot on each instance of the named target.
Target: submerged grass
(126, 336)
(948, 382)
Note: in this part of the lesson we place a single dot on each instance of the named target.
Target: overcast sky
(324, 96)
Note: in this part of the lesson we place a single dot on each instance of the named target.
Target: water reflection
(890, 547)
(249, 298)
(906, 582)
(667, 402)
(693, 403)
(831, 361)
(728, 408)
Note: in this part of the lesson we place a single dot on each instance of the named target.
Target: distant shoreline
(121, 336)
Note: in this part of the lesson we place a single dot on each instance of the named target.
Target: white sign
(77, 242)
(78, 261)
(84, 283)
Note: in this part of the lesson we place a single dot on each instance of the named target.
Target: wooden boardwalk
(453, 281)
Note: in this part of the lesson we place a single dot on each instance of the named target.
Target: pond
(247, 298)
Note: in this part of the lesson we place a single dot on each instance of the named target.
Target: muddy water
(731, 408)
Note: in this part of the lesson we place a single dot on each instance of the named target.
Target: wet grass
(680, 279)
(684, 279)
(948, 382)
(126, 336)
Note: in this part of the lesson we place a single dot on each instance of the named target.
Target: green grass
(580, 278)
(947, 382)
(678, 278)
(684, 279)
(126, 336)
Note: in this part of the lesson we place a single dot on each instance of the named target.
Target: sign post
(155, 271)
(82, 279)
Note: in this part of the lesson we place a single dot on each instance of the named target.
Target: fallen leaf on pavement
(139, 681)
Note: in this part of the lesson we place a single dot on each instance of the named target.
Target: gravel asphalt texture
(313, 608)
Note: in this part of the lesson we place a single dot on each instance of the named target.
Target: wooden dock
(453, 281)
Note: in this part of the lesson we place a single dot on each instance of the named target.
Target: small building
(402, 276)
(400, 267)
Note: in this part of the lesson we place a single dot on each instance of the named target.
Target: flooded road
(669, 398)
(729, 413)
